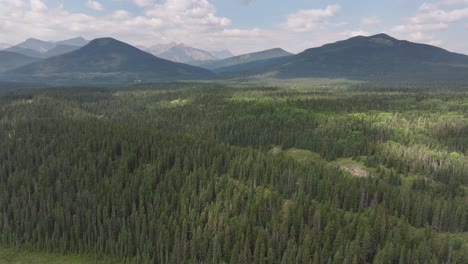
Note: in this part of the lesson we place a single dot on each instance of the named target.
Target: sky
(241, 26)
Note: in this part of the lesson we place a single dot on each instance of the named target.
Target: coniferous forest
(312, 171)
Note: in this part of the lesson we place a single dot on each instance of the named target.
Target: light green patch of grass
(408, 180)
(276, 150)
(138, 93)
(301, 85)
(179, 102)
(247, 98)
(303, 155)
(286, 208)
(14, 256)
(458, 243)
(355, 168)
(164, 104)
(21, 102)
(462, 237)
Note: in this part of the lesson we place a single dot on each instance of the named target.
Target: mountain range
(45, 49)
(183, 53)
(378, 57)
(222, 54)
(106, 60)
(4, 46)
(232, 63)
(173, 51)
(10, 60)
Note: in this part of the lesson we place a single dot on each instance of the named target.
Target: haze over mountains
(4, 46)
(222, 54)
(11, 60)
(44, 49)
(378, 57)
(180, 53)
(375, 57)
(232, 63)
(173, 51)
(106, 60)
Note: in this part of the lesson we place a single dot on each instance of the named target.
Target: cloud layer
(432, 18)
(311, 19)
(94, 5)
(197, 23)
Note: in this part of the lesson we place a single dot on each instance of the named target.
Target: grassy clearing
(179, 102)
(408, 180)
(14, 256)
(355, 168)
(301, 155)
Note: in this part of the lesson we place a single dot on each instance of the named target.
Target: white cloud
(143, 3)
(120, 14)
(94, 5)
(431, 18)
(454, 2)
(195, 23)
(439, 15)
(370, 21)
(437, 5)
(354, 33)
(37, 6)
(189, 21)
(15, 3)
(408, 28)
(242, 33)
(435, 12)
(246, 40)
(310, 19)
(189, 13)
(428, 7)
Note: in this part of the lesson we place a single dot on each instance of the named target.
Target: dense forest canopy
(311, 171)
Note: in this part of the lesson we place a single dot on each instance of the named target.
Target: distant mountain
(222, 54)
(40, 49)
(38, 45)
(4, 46)
(11, 60)
(224, 65)
(161, 48)
(59, 50)
(106, 60)
(78, 42)
(180, 53)
(249, 68)
(25, 51)
(378, 57)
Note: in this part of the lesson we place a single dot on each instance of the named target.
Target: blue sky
(239, 25)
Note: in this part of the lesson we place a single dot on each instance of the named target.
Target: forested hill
(231, 63)
(210, 173)
(374, 58)
(378, 57)
(106, 60)
(11, 60)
